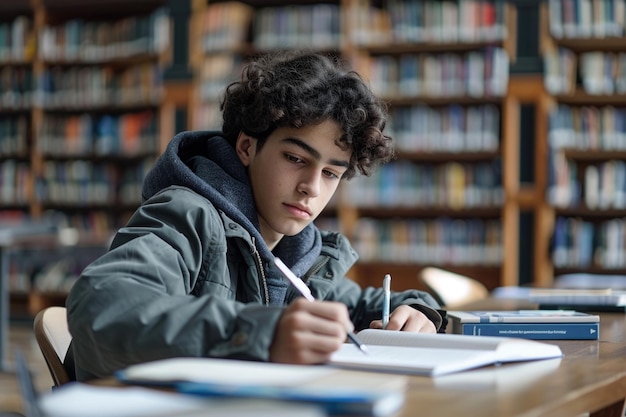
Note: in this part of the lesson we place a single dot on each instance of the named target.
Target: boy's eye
(330, 174)
(293, 158)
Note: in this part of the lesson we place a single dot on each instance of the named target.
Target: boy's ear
(245, 147)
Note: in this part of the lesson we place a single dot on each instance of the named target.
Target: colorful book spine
(537, 331)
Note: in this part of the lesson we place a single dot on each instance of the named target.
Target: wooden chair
(452, 289)
(53, 337)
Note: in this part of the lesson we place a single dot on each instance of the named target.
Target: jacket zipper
(316, 267)
(256, 253)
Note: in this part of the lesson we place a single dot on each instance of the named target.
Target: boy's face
(293, 176)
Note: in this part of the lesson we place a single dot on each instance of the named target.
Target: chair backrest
(53, 337)
(452, 289)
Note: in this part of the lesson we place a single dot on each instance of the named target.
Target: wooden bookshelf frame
(42, 13)
(545, 270)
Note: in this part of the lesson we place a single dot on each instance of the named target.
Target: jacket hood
(206, 163)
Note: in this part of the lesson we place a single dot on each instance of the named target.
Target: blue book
(527, 324)
(537, 331)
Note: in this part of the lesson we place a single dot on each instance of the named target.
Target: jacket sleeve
(135, 303)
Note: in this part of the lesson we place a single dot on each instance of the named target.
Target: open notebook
(437, 354)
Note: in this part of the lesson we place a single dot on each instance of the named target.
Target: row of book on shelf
(63, 86)
(84, 135)
(225, 26)
(315, 26)
(320, 25)
(13, 131)
(472, 21)
(138, 84)
(230, 25)
(424, 185)
(601, 185)
(16, 87)
(82, 182)
(98, 41)
(581, 243)
(587, 127)
(587, 18)
(451, 128)
(479, 73)
(414, 127)
(16, 40)
(85, 40)
(440, 241)
(128, 134)
(601, 73)
(14, 180)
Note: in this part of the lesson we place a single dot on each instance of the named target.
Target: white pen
(306, 293)
(386, 299)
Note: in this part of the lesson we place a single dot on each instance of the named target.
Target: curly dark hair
(299, 88)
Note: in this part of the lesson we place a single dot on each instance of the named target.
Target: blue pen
(386, 299)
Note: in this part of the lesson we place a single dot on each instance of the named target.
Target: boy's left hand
(407, 319)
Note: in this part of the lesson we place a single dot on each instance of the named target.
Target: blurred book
(581, 299)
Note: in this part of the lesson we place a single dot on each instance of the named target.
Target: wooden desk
(566, 388)
(591, 377)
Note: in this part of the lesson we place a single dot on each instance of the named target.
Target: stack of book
(527, 324)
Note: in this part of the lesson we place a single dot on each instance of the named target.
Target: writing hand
(407, 319)
(309, 332)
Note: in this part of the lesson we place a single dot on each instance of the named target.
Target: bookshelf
(225, 34)
(451, 191)
(220, 44)
(585, 85)
(457, 194)
(443, 68)
(81, 97)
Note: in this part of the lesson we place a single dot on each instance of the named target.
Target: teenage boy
(192, 273)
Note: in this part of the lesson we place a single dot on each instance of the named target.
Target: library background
(509, 119)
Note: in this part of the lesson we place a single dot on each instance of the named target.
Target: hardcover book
(527, 324)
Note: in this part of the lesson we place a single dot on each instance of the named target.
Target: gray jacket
(189, 275)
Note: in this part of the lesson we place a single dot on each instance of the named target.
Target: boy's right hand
(309, 332)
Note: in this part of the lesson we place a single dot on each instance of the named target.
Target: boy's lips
(299, 210)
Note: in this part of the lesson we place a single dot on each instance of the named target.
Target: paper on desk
(501, 379)
(223, 371)
(80, 400)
